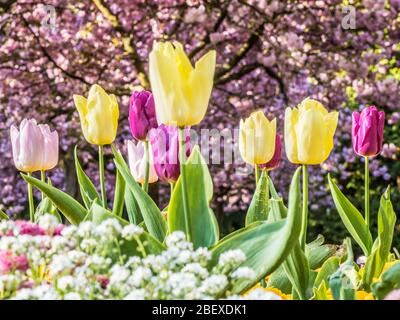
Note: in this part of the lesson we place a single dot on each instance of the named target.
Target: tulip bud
(181, 92)
(367, 131)
(137, 162)
(309, 132)
(276, 159)
(142, 114)
(165, 144)
(257, 138)
(99, 115)
(34, 147)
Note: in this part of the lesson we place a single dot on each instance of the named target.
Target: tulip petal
(291, 119)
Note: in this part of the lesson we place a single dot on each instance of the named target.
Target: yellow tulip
(257, 138)
(99, 115)
(309, 131)
(181, 92)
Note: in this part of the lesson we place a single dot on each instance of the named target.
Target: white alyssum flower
(131, 231)
(91, 261)
(244, 273)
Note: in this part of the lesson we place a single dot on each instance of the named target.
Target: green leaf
(320, 292)
(46, 207)
(203, 225)
(296, 265)
(351, 218)
(132, 208)
(381, 248)
(317, 252)
(69, 207)
(152, 216)
(265, 244)
(329, 267)
(86, 187)
(258, 209)
(279, 280)
(97, 214)
(118, 205)
(297, 270)
(3, 215)
(344, 281)
(389, 282)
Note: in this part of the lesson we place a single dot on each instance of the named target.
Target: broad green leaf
(297, 270)
(202, 222)
(351, 218)
(265, 244)
(97, 214)
(389, 282)
(118, 204)
(3, 215)
(320, 292)
(381, 248)
(152, 216)
(68, 206)
(279, 280)
(317, 252)
(46, 207)
(344, 281)
(132, 208)
(145, 242)
(296, 265)
(86, 187)
(329, 267)
(258, 209)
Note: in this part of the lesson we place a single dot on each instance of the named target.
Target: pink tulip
(34, 147)
(367, 131)
(137, 162)
(142, 114)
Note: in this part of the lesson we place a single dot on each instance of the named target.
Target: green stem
(366, 190)
(267, 191)
(43, 178)
(182, 160)
(172, 185)
(101, 170)
(257, 173)
(30, 198)
(145, 185)
(303, 234)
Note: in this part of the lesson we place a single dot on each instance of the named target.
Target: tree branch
(127, 40)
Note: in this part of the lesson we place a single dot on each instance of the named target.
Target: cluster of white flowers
(88, 261)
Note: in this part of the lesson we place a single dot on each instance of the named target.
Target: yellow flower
(99, 115)
(270, 289)
(309, 131)
(181, 92)
(257, 138)
(363, 295)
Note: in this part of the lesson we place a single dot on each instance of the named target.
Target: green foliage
(266, 244)
(86, 187)
(258, 209)
(390, 281)
(203, 226)
(155, 222)
(68, 206)
(382, 245)
(352, 218)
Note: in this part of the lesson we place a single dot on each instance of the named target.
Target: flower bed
(134, 250)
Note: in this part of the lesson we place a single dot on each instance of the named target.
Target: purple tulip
(165, 145)
(142, 114)
(276, 158)
(367, 131)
